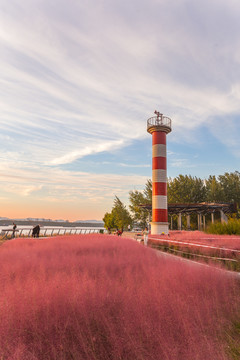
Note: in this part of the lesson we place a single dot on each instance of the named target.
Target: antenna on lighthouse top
(159, 116)
(157, 113)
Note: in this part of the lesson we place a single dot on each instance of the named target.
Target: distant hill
(89, 221)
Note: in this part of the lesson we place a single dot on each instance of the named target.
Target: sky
(80, 78)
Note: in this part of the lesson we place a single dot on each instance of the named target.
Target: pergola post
(188, 221)
(180, 221)
(204, 222)
(212, 217)
(199, 221)
(224, 218)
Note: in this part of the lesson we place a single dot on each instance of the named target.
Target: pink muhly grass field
(99, 297)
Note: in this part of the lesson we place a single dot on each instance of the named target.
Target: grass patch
(232, 227)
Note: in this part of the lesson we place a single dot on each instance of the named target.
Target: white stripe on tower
(159, 175)
(159, 150)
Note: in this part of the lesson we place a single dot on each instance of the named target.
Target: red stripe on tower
(159, 126)
(160, 188)
(160, 214)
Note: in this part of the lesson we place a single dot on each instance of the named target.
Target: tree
(230, 185)
(120, 213)
(186, 189)
(148, 192)
(214, 191)
(140, 215)
(119, 217)
(137, 198)
(109, 222)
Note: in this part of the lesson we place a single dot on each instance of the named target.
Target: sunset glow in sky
(80, 78)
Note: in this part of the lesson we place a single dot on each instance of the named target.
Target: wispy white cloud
(18, 188)
(88, 150)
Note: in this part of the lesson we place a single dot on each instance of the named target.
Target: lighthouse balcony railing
(159, 121)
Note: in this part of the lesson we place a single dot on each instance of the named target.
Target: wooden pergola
(201, 209)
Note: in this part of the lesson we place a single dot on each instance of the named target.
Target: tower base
(158, 228)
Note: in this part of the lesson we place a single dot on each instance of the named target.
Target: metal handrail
(194, 244)
(43, 231)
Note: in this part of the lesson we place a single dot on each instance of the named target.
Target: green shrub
(232, 227)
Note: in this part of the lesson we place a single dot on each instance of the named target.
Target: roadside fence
(229, 258)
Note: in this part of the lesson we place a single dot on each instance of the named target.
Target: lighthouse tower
(159, 126)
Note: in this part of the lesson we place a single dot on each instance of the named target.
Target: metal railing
(159, 121)
(47, 231)
(189, 250)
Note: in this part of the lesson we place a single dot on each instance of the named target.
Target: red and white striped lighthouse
(159, 126)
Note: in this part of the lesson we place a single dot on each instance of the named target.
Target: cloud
(55, 184)
(88, 150)
(98, 73)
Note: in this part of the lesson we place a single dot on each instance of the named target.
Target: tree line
(181, 189)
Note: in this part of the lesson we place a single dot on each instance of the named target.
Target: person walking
(36, 231)
(145, 236)
(14, 230)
